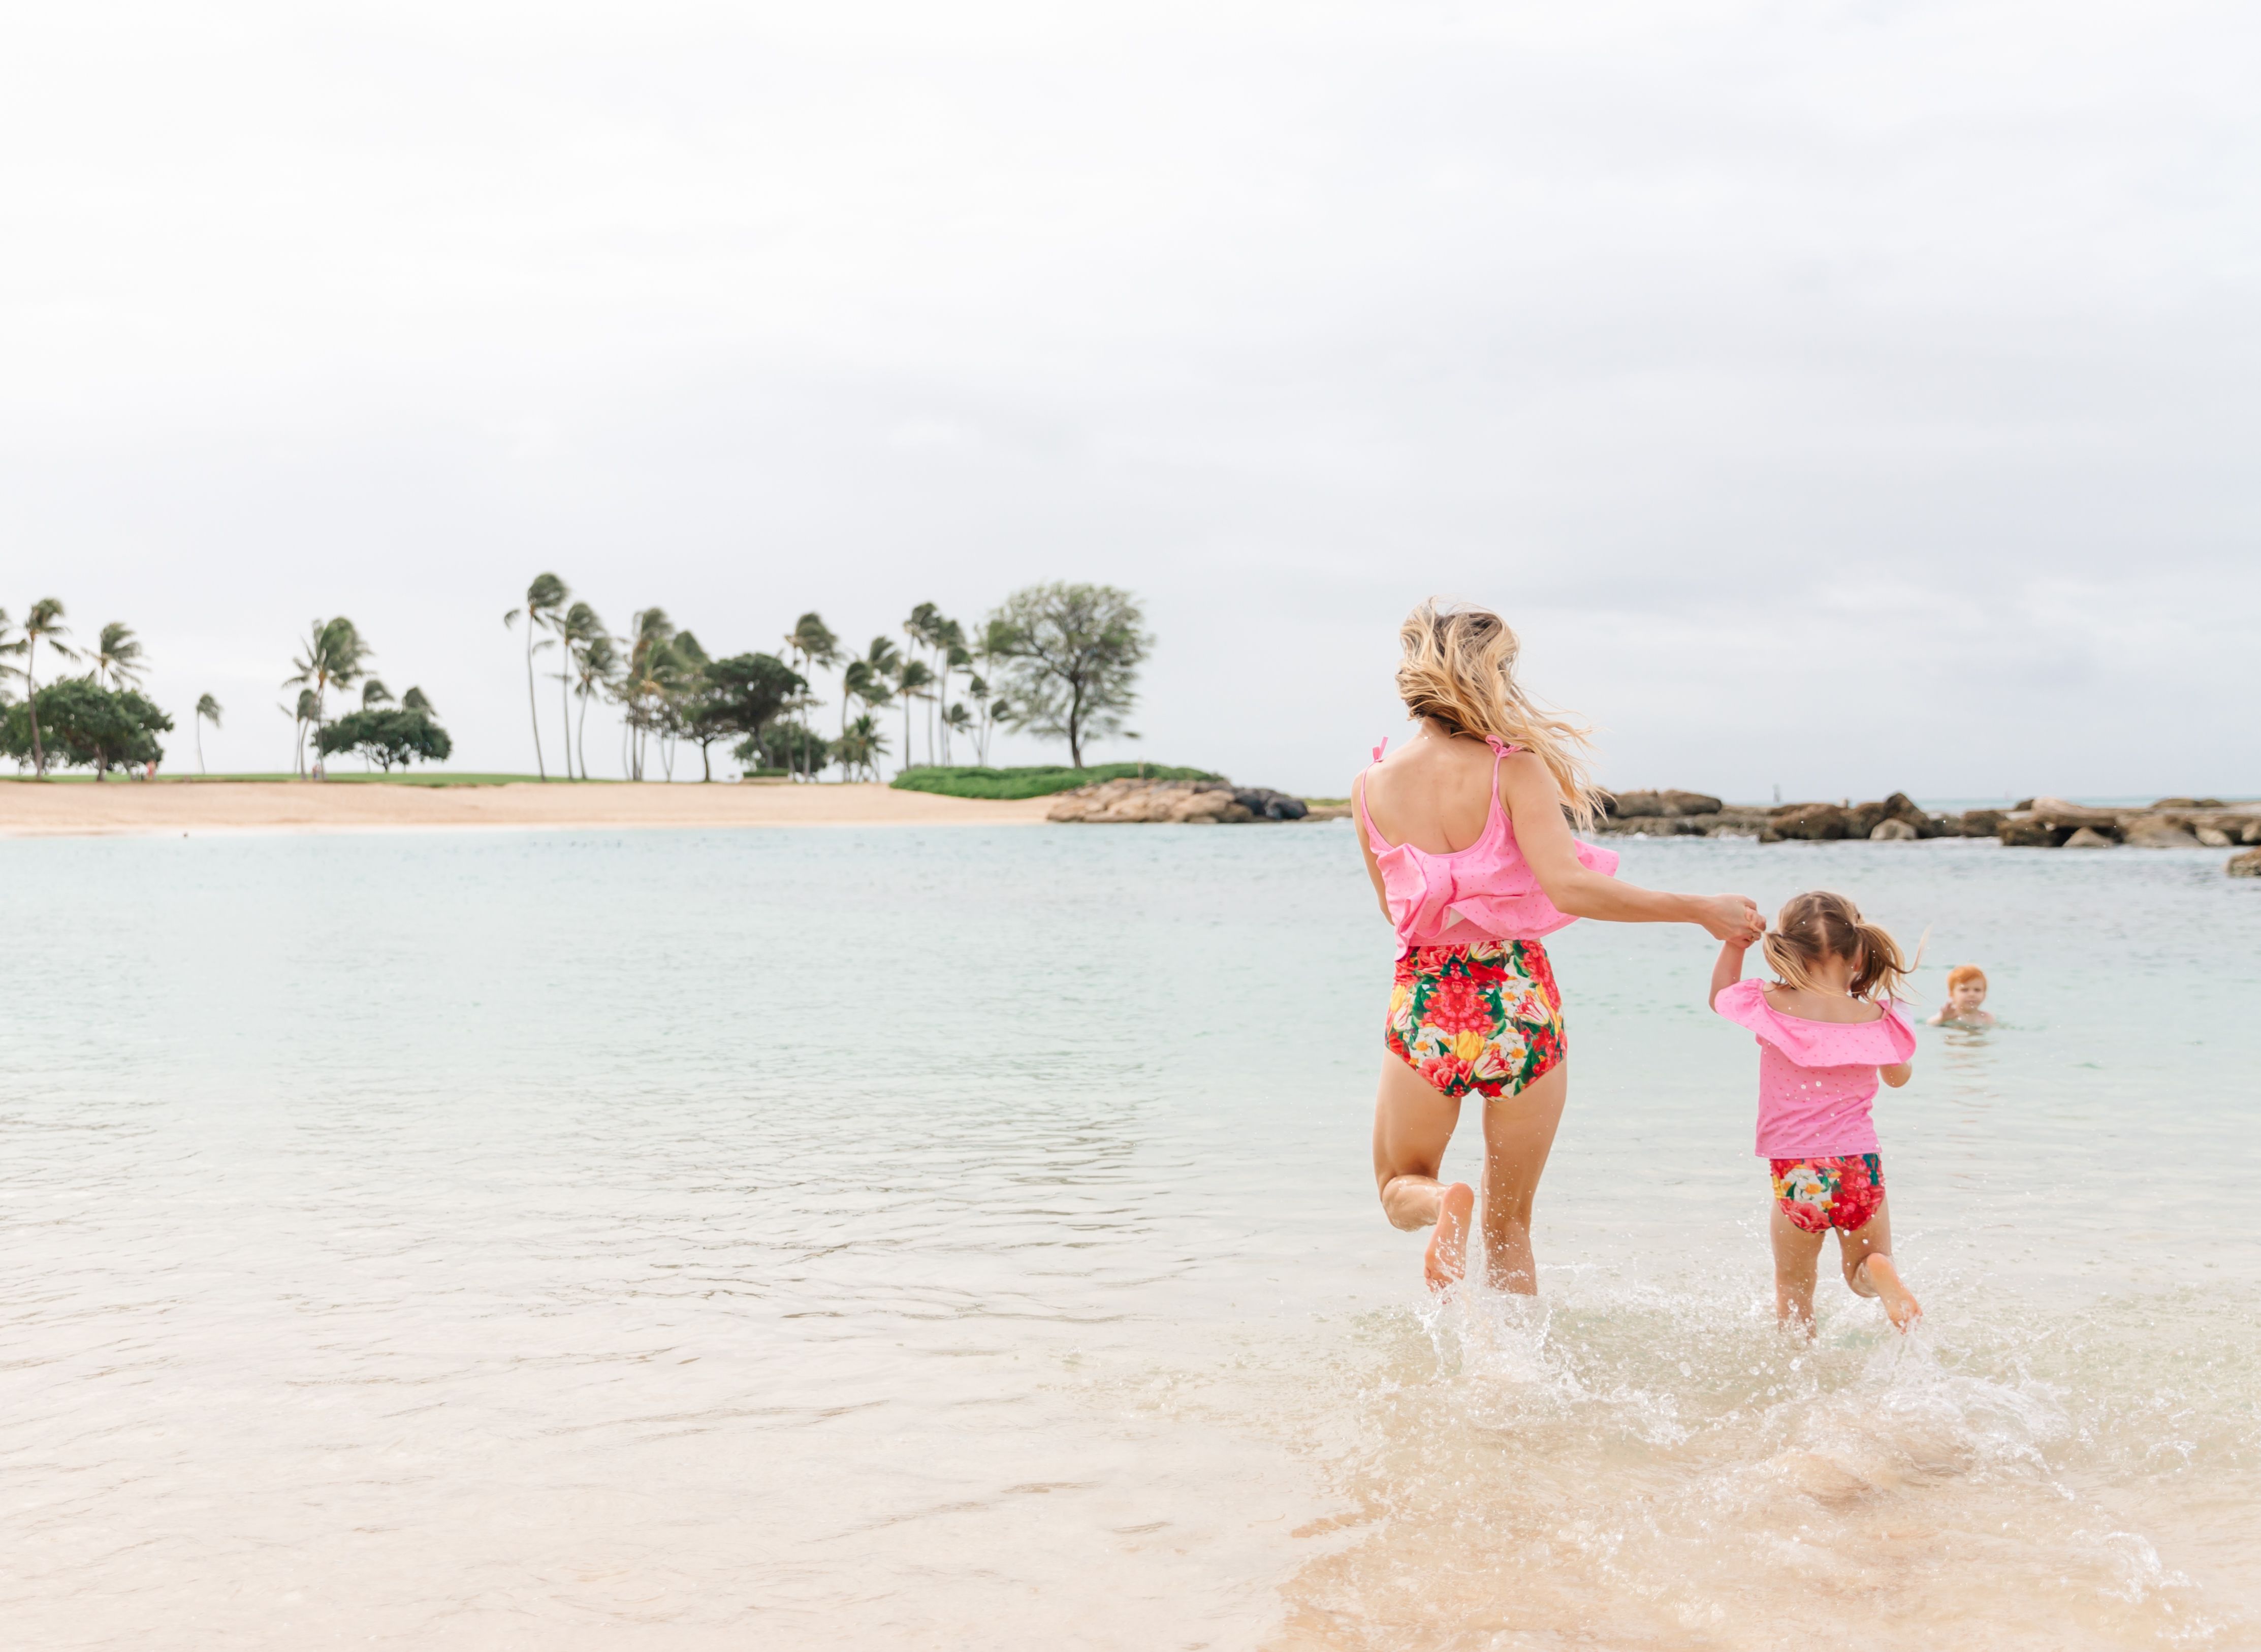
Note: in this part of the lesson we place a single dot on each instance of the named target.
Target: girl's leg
(1867, 1255)
(1519, 1134)
(1412, 1125)
(1796, 1254)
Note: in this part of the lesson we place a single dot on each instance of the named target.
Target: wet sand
(35, 810)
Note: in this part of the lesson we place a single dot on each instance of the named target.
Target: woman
(1467, 836)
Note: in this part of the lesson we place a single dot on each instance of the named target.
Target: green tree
(913, 681)
(861, 746)
(43, 623)
(415, 700)
(387, 735)
(784, 743)
(375, 694)
(1072, 655)
(596, 669)
(654, 676)
(333, 658)
(812, 644)
(305, 711)
(737, 696)
(86, 725)
(577, 628)
(116, 655)
(545, 601)
(207, 712)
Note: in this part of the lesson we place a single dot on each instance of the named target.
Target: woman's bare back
(1435, 793)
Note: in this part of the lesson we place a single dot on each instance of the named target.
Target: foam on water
(927, 1239)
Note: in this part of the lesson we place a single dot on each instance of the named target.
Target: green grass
(1042, 781)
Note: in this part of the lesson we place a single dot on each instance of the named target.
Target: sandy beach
(34, 810)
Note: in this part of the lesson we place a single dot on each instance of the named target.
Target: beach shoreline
(133, 810)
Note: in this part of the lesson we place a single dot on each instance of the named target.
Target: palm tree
(414, 699)
(596, 666)
(650, 678)
(42, 624)
(812, 643)
(574, 630)
(375, 694)
(116, 655)
(950, 646)
(913, 681)
(544, 598)
(207, 712)
(333, 656)
(862, 745)
(308, 710)
(920, 627)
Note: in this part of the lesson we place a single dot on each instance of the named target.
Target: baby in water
(1966, 995)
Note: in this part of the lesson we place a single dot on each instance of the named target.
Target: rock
(2023, 831)
(2214, 837)
(1977, 822)
(2087, 837)
(1260, 800)
(2057, 812)
(2247, 865)
(2021, 805)
(1886, 831)
(1178, 802)
(2186, 803)
(2251, 834)
(1667, 805)
(2157, 831)
(1811, 822)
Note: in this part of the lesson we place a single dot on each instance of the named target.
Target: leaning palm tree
(913, 681)
(307, 711)
(415, 700)
(920, 627)
(116, 655)
(545, 598)
(574, 627)
(333, 658)
(812, 643)
(207, 712)
(951, 658)
(596, 668)
(43, 624)
(375, 694)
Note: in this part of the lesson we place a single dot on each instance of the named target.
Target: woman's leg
(1519, 1134)
(1867, 1255)
(1797, 1252)
(1412, 1125)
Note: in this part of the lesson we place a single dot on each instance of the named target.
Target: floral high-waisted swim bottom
(1819, 1193)
(1484, 1016)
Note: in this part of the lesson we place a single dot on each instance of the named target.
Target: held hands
(1732, 918)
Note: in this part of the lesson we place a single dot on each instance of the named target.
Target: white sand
(67, 809)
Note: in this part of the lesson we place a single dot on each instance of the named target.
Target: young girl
(1828, 1028)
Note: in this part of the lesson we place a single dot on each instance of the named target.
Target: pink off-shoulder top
(1817, 1078)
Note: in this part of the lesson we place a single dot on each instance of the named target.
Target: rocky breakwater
(1670, 814)
(2172, 822)
(1177, 803)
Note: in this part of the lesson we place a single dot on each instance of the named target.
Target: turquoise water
(966, 1237)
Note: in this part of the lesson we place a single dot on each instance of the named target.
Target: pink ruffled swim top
(1817, 1078)
(1486, 892)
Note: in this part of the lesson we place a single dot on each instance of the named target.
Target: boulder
(2251, 834)
(2214, 837)
(2087, 837)
(1810, 821)
(1666, 805)
(1262, 800)
(2247, 865)
(1862, 819)
(1890, 831)
(2157, 831)
(2023, 831)
(1977, 822)
(1131, 802)
(2187, 802)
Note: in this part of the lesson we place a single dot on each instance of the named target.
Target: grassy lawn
(1034, 782)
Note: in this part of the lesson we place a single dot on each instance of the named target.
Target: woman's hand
(1732, 918)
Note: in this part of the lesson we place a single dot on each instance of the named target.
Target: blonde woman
(1466, 831)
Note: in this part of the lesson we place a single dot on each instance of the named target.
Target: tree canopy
(387, 735)
(1071, 656)
(82, 724)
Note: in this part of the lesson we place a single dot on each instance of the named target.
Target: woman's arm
(1527, 788)
(1364, 845)
(1896, 1074)
(1729, 968)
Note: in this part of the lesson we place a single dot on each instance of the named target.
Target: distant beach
(34, 810)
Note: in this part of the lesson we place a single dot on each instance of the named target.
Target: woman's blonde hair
(1458, 671)
(1818, 925)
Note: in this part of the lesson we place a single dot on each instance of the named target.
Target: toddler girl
(1827, 1028)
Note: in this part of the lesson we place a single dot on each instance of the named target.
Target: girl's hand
(1732, 918)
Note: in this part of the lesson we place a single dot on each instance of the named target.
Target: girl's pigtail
(1883, 967)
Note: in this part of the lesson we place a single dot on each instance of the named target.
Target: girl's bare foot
(1448, 1246)
(1900, 1305)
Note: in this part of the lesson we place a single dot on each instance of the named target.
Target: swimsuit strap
(1365, 819)
(1384, 747)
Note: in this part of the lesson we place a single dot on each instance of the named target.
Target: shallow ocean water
(966, 1237)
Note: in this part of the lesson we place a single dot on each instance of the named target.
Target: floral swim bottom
(1819, 1193)
(1484, 1016)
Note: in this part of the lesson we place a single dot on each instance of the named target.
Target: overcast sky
(1836, 397)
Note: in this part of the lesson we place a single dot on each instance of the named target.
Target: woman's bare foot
(1448, 1246)
(1900, 1305)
